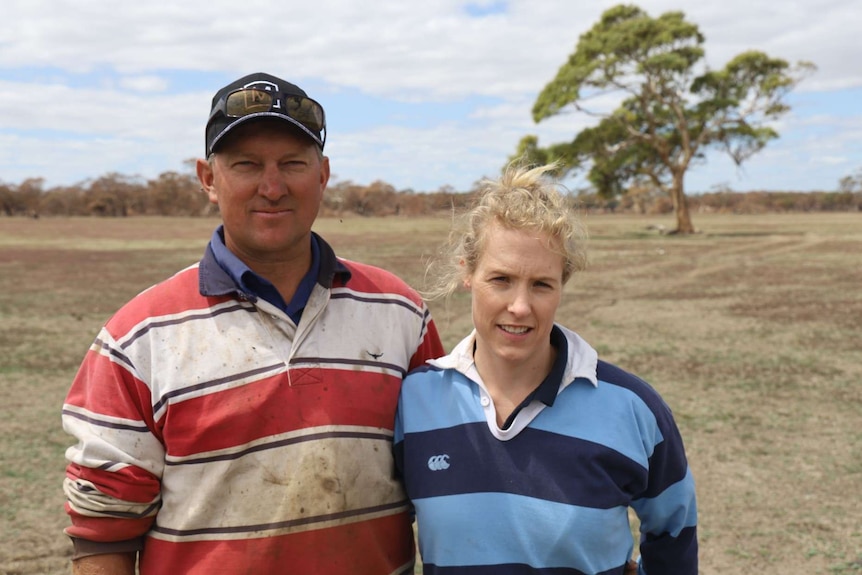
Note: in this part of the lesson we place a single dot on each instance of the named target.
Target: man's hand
(631, 568)
(107, 564)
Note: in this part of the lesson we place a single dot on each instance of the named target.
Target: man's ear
(324, 172)
(206, 176)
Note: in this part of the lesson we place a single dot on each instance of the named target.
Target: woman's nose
(520, 304)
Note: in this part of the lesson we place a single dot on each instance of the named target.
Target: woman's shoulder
(612, 375)
(424, 374)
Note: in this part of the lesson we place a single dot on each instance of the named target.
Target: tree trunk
(680, 206)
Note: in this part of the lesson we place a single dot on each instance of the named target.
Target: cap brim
(240, 121)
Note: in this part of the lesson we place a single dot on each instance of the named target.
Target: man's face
(268, 182)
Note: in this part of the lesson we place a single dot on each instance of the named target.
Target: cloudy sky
(418, 94)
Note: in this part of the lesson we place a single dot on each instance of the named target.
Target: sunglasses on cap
(302, 111)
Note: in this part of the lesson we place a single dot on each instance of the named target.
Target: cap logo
(257, 100)
(263, 85)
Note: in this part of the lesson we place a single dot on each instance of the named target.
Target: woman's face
(516, 290)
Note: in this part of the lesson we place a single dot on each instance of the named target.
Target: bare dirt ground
(751, 331)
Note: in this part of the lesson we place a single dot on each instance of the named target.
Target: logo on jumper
(438, 462)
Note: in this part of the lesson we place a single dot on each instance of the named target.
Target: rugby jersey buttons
(485, 401)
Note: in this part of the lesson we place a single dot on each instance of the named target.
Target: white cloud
(144, 83)
(395, 48)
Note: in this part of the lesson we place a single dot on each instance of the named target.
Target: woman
(521, 450)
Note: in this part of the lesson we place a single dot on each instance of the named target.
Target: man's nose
(272, 185)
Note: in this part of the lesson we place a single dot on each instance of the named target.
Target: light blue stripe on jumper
(499, 528)
(665, 509)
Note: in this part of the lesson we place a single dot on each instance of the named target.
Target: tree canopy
(673, 107)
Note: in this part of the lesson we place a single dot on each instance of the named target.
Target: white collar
(581, 362)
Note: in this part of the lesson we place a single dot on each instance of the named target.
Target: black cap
(290, 103)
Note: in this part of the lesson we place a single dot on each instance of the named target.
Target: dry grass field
(751, 330)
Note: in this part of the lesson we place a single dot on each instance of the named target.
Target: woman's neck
(509, 383)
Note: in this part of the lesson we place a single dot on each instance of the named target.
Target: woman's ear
(466, 280)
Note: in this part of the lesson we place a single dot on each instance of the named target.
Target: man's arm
(112, 483)
(106, 564)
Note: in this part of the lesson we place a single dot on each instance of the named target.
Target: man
(237, 417)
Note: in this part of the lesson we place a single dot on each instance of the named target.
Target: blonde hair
(524, 198)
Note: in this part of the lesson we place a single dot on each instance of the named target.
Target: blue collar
(550, 386)
(237, 277)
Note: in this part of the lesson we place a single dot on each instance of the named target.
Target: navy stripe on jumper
(536, 463)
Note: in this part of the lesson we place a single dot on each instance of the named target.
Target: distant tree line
(112, 195)
(179, 194)
(726, 201)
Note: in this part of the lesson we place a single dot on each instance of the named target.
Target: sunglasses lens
(247, 102)
(305, 111)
